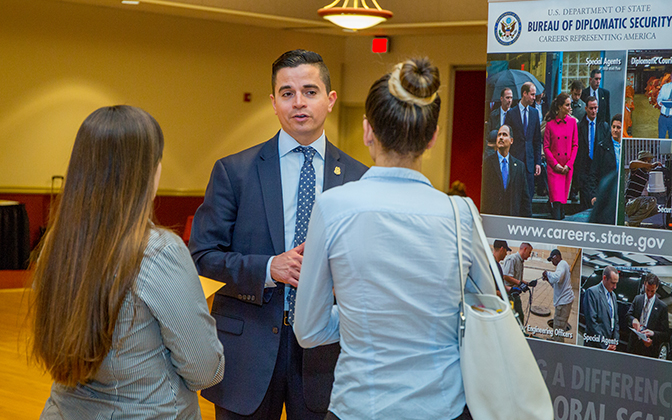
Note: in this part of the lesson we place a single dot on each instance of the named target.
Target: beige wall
(447, 52)
(60, 61)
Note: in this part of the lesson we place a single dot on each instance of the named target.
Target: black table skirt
(14, 237)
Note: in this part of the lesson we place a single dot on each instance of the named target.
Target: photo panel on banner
(577, 165)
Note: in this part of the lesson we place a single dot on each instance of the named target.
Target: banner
(577, 179)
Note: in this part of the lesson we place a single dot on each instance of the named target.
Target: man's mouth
(300, 116)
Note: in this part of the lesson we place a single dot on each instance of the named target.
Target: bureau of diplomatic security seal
(507, 28)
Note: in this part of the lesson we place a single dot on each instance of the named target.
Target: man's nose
(299, 101)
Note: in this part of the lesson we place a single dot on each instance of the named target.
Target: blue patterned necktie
(505, 172)
(525, 120)
(306, 199)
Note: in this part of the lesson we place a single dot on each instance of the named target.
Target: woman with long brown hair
(119, 317)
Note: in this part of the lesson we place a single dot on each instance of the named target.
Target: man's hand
(286, 267)
(537, 170)
(612, 347)
(592, 202)
(635, 324)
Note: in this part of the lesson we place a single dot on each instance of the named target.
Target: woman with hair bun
(561, 144)
(120, 321)
(385, 247)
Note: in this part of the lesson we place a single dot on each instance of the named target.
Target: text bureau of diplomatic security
(634, 22)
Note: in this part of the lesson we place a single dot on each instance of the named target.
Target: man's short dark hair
(593, 72)
(617, 117)
(652, 279)
(576, 84)
(591, 99)
(503, 92)
(296, 58)
(526, 87)
(608, 271)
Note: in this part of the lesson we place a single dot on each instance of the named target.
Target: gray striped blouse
(165, 347)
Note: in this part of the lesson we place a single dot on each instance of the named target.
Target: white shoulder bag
(502, 380)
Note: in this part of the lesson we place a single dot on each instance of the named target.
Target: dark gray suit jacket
(515, 200)
(658, 323)
(525, 147)
(596, 312)
(239, 226)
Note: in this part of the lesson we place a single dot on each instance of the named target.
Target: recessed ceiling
(410, 17)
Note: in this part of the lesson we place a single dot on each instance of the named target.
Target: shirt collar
(286, 144)
(561, 120)
(382, 172)
(522, 108)
(501, 158)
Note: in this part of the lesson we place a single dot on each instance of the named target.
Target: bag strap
(481, 234)
(458, 229)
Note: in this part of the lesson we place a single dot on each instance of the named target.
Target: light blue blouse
(386, 244)
(165, 347)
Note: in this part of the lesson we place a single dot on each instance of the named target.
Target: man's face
(500, 254)
(591, 109)
(610, 283)
(301, 102)
(616, 130)
(556, 259)
(595, 81)
(650, 290)
(525, 252)
(504, 140)
(528, 97)
(576, 95)
(506, 99)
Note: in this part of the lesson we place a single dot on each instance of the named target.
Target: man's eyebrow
(285, 87)
(311, 87)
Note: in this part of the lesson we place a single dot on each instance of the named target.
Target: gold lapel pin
(337, 170)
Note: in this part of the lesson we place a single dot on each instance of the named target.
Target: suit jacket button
(275, 330)
(240, 296)
(252, 298)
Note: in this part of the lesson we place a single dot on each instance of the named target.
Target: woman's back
(392, 255)
(163, 345)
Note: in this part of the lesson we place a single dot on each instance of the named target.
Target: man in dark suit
(648, 315)
(606, 160)
(591, 133)
(504, 189)
(602, 95)
(498, 115)
(578, 105)
(524, 122)
(249, 233)
(601, 312)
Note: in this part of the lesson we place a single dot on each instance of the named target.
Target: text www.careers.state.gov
(642, 242)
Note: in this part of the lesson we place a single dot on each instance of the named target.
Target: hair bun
(415, 81)
(419, 77)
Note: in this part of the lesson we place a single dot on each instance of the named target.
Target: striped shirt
(165, 347)
(638, 179)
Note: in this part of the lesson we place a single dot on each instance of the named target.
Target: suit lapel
(268, 167)
(334, 170)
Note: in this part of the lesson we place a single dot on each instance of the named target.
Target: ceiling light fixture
(355, 17)
(134, 2)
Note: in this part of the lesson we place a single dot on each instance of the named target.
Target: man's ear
(332, 99)
(273, 103)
